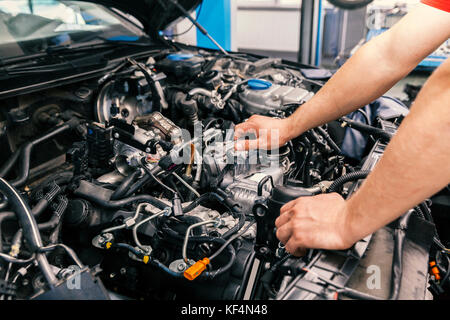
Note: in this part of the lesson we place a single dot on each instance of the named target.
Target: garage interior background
(327, 37)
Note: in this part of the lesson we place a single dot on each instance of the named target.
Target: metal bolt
(116, 135)
(181, 267)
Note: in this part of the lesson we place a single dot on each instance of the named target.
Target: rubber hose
(25, 153)
(116, 204)
(339, 182)
(30, 228)
(125, 185)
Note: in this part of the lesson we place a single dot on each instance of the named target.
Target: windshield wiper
(60, 65)
(84, 45)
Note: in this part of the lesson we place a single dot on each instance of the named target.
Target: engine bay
(131, 183)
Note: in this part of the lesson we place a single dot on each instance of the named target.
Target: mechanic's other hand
(319, 222)
(270, 133)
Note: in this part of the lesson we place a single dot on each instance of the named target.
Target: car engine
(128, 184)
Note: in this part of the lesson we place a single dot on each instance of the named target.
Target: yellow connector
(195, 270)
(15, 250)
(145, 259)
(108, 245)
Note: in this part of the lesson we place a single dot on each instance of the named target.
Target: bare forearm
(356, 84)
(416, 163)
(375, 68)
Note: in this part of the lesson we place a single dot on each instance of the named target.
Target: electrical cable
(150, 173)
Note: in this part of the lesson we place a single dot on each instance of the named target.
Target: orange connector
(434, 270)
(195, 270)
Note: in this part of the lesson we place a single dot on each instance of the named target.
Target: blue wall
(216, 19)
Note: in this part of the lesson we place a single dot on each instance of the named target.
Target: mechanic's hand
(319, 222)
(270, 133)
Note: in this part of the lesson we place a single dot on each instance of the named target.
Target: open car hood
(155, 15)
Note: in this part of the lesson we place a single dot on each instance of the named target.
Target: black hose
(376, 132)
(137, 185)
(125, 185)
(225, 268)
(229, 241)
(8, 165)
(211, 274)
(237, 227)
(57, 215)
(25, 153)
(152, 175)
(330, 141)
(339, 182)
(3, 216)
(36, 210)
(116, 204)
(3, 204)
(203, 198)
(233, 112)
(427, 214)
(43, 203)
(30, 228)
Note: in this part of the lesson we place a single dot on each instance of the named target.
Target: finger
(242, 128)
(245, 145)
(283, 219)
(299, 252)
(284, 233)
(294, 247)
(288, 206)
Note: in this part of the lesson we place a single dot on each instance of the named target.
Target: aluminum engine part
(245, 190)
(127, 158)
(228, 221)
(161, 126)
(115, 101)
(274, 98)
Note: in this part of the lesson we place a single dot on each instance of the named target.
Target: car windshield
(31, 26)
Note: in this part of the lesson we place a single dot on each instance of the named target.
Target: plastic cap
(259, 84)
(195, 270)
(179, 56)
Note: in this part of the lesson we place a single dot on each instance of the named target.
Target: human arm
(415, 165)
(368, 74)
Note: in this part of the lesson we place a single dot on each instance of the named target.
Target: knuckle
(297, 237)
